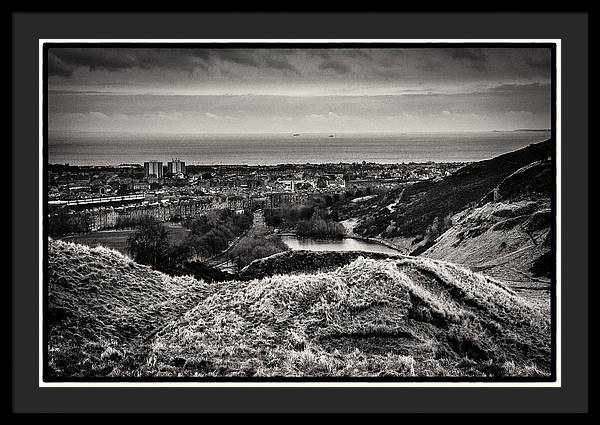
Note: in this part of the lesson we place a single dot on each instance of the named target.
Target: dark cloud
(336, 66)
(57, 67)
(332, 60)
(339, 53)
(475, 58)
(186, 59)
(357, 53)
(93, 58)
(520, 88)
(540, 63)
(79, 92)
(319, 53)
(64, 61)
(281, 64)
(258, 89)
(407, 63)
(241, 57)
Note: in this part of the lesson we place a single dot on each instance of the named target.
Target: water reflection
(346, 244)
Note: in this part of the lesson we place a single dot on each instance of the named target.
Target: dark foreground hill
(387, 317)
(293, 262)
(422, 209)
(103, 308)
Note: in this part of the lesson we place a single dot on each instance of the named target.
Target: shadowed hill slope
(291, 262)
(508, 235)
(102, 306)
(409, 212)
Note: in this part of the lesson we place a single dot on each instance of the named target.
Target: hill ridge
(370, 317)
(101, 302)
(410, 220)
(508, 232)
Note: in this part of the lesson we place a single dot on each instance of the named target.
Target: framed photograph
(266, 218)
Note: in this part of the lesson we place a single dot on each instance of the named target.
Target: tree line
(209, 235)
(306, 220)
(258, 246)
(319, 227)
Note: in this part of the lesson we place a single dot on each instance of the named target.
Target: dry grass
(103, 307)
(508, 234)
(292, 262)
(117, 239)
(396, 317)
(508, 241)
(372, 317)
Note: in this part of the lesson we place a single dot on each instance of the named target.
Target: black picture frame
(29, 28)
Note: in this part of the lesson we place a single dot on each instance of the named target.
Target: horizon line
(300, 132)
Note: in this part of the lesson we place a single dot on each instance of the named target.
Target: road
(221, 260)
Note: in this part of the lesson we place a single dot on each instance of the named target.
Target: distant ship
(296, 134)
(331, 135)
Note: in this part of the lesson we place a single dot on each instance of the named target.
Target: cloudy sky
(297, 90)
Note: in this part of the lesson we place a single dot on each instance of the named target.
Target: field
(117, 239)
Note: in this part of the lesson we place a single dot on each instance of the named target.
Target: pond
(345, 244)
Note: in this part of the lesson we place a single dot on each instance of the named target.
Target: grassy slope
(294, 262)
(117, 239)
(103, 308)
(394, 317)
(424, 201)
(506, 238)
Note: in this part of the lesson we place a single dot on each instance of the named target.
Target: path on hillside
(258, 225)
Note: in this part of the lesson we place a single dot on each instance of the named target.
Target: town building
(176, 166)
(153, 169)
(141, 186)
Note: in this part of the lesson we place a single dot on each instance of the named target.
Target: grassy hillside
(103, 308)
(117, 239)
(408, 212)
(508, 235)
(290, 262)
(533, 181)
(388, 317)
(394, 317)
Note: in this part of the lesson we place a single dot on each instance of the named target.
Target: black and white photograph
(299, 212)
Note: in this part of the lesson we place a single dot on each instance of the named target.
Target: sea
(92, 148)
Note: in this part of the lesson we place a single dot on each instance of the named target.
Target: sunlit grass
(395, 317)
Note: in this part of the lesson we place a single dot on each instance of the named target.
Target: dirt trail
(258, 226)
